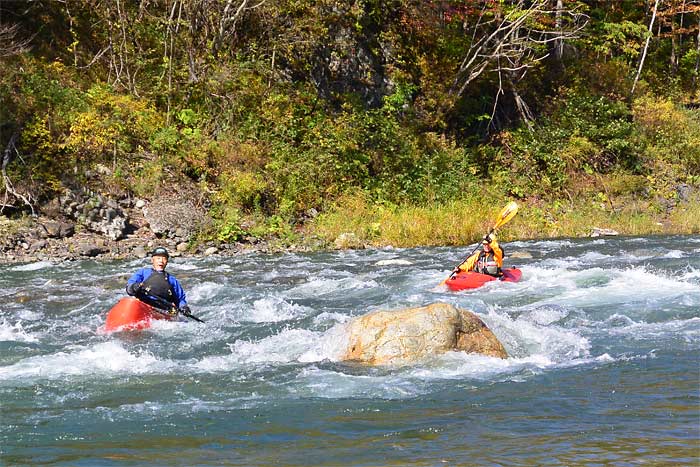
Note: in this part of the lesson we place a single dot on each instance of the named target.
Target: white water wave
(15, 333)
(204, 291)
(687, 328)
(320, 287)
(595, 287)
(285, 347)
(105, 359)
(33, 266)
(272, 310)
(674, 254)
(393, 262)
(533, 336)
(328, 384)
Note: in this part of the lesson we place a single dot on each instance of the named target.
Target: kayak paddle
(164, 305)
(506, 214)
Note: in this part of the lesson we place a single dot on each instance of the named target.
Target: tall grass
(456, 222)
(685, 218)
(464, 221)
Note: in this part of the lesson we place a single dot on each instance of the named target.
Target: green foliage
(581, 134)
(112, 126)
(297, 107)
(621, 39)
(670, 138)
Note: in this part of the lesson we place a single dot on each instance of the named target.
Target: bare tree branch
(9, 188)
(512, 40)
(228, 21)
(10, 43)
(646, 47)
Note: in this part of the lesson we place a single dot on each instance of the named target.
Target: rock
(520, 255)
(168, 214)
(38, 245)
(89, 249)
(103, 169)
(114, 229)
(181, 247)
(140, 252)
(56, 229)
(212, 250)
(140, 204)
(598, 232)
(403, 336)
(347, 240)
(97, 214)
(684, 192)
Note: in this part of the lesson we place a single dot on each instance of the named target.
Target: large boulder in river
(403, 336)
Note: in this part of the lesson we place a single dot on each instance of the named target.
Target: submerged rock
(406, 335)
(598, 232)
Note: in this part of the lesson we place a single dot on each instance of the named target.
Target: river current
(603, 337)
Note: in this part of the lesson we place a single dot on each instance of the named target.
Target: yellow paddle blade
(506, 215)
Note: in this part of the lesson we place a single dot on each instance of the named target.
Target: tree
(509, 38)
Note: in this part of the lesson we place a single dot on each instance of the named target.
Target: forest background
(394, 122)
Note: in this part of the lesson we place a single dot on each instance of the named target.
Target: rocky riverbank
(90, 225)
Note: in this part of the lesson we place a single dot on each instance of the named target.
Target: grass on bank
(464, 221)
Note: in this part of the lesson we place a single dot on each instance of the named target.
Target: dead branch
(10, 43)
(508, 42)
(7, 157)
(646, 47)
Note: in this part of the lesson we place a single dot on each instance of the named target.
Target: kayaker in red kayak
(489, 260)
(157, 284)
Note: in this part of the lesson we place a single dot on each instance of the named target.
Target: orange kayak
(130, 313)
(473, 280)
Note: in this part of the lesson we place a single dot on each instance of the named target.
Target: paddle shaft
(163, 305)
(504, 216)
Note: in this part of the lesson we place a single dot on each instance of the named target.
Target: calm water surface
(604, 339)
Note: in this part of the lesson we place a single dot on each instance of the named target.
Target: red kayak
(130, 313)
(473, 280)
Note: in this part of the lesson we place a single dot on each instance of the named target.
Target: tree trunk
(646, 47)
(697, 59)
(559, 43)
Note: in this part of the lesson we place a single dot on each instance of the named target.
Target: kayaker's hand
(185, 310)
(134, 289)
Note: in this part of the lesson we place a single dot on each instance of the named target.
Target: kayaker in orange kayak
(489, 260)
(156, 287)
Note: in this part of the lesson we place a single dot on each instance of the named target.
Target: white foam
(327, 384)
(317, 287)
(546, 315)
(104, 359)
(272, 310)
(32, 266)
(286, 346)
(203, 291)
(674, 254)
(690, 328)
(525, 338)
(393, 262)
(15, 333)
(327, 318)
(613, 288)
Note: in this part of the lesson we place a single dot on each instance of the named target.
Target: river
(603, 337)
